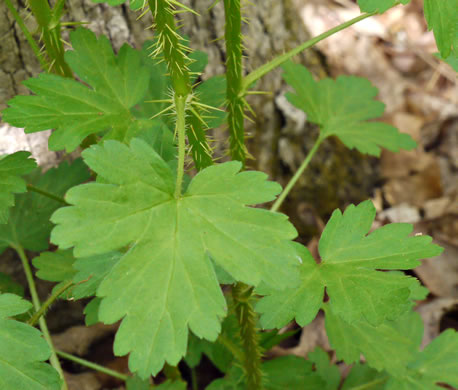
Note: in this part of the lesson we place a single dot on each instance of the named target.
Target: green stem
(232, 347)
(194, 382)
(93, 366)
(54, 360)
(246, 317)
(234, 76)
(27, 35)
(297, 175)
(276, 62)
(180, 129)
(57, 198)
(370, 384)
(44, 307)
(50, 29)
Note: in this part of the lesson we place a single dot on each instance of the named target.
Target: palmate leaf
(166, 282)
(379, 6)
(23, 350)
(442, 18)
(362, 375)
(74, 110)
(349, 270)
(342, 107)
(28, 225)
(12, 167)
(394, 348)
(328, 372)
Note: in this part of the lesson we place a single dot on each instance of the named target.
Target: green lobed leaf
(442, 18)
(75, 110)
(328, 372)
(342, 107)
(166, 279)
(12, 167)
(23, 351)
(91, 311)
(379, 6)
(29, 225)
(350, 271)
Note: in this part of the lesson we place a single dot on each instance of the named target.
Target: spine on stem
(234, 69)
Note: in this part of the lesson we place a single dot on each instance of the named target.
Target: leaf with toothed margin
(166, 278)
(379, 6)
(342, 107)
(350, 271)
(75, 110)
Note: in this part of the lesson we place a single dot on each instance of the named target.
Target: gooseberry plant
(152, 246)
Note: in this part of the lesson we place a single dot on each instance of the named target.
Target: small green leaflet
(342, 107)
(379, 6)
(351, 260)
(394, 347)
(23, 351)
(29, 225)
(166, 279)
(74, 110)
(442, 18)
(12, 167)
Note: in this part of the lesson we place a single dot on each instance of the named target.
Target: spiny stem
(93, 366)
(246, 317)
(54, 360)
(234, 75)
(276, 62)
(49, 25)
(297, 175)
(44, 307)
(180, 129)
(57, 198)
(27, 35)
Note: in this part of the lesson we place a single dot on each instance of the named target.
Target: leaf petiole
(297, 175)
(256, 74)
(44, 307)
(94, 366)
(32, 188)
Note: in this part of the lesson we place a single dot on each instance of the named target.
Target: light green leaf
(342, 107)
(379, 6)
(22, 351)
(29, 225)
(55, 266)
(12, 167)
(166, 279)
(91, 311)
(328, 372)
(75, 110)
(363, 377)
(442, 18)
(351, 260)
